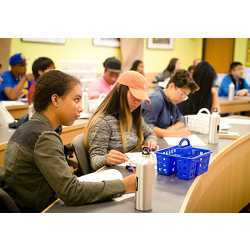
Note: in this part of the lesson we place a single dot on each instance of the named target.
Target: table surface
(237, 99)
(6, 133)
(68, 133)
(169, 192)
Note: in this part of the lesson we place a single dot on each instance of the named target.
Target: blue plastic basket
(184, 161)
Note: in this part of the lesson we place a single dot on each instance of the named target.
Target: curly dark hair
(41, 63)
(52, 82)
(182, 79)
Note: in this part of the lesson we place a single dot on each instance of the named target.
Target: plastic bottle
(145, 174)
(214, 127)
(231, 91)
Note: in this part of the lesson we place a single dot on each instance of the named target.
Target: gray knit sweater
(105, 135)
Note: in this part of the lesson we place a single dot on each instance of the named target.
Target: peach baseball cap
(136, 82)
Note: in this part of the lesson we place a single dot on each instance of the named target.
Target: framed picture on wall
(44, 40)
(107, 42)
(160, 43)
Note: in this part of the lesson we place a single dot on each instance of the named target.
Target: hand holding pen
(115, 157)
(152, 145)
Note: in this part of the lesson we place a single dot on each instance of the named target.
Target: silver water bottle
(214, 127)
(145, 174)
(231, 91)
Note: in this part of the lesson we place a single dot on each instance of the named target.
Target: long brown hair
(116, 104)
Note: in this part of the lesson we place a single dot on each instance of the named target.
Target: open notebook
(104, 175)
(133, 158)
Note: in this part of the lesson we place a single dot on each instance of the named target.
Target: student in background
(235, 76)
(191, 70)
(138, 66)
(40, 66)
(174, 65)
(161, 113)
(117, 126)
(112, 69)
(36, 170)
(14, 80)
(206, 97)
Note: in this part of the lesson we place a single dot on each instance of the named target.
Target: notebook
(133, 157)
(104, 175)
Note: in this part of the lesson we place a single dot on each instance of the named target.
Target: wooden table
(173, 195)
(68, 133)
(17, 111)
(239, 104)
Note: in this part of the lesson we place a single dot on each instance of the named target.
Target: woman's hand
(151, 144)
(115, 157)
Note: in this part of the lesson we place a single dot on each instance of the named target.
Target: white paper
(239, 121)
(105, 175)
(224, 125)
(229, 133)
(124, 197)
(12, 103)
(194, 140)
(133, 157)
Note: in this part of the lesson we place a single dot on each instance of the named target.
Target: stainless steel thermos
(214, 126)
(145, 174)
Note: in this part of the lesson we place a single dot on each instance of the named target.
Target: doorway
(4, 53)
(219, 52)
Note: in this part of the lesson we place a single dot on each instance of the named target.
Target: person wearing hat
(117, 126)
(14, 80)
(112, 69)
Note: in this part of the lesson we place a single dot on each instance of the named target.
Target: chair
(7, 204)
(82, 154)
(225, 187)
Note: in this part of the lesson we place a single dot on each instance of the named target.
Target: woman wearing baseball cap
(117, 126)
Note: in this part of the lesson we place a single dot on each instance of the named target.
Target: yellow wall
(187, 49)
(240, 50)
(155, 60)
(78, 49)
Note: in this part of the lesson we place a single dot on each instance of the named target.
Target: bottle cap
(146, 150)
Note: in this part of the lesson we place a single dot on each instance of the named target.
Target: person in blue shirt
(235, 76)
(161, 113)
(14, 80)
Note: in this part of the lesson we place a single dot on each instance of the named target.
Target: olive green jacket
(36, 171)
